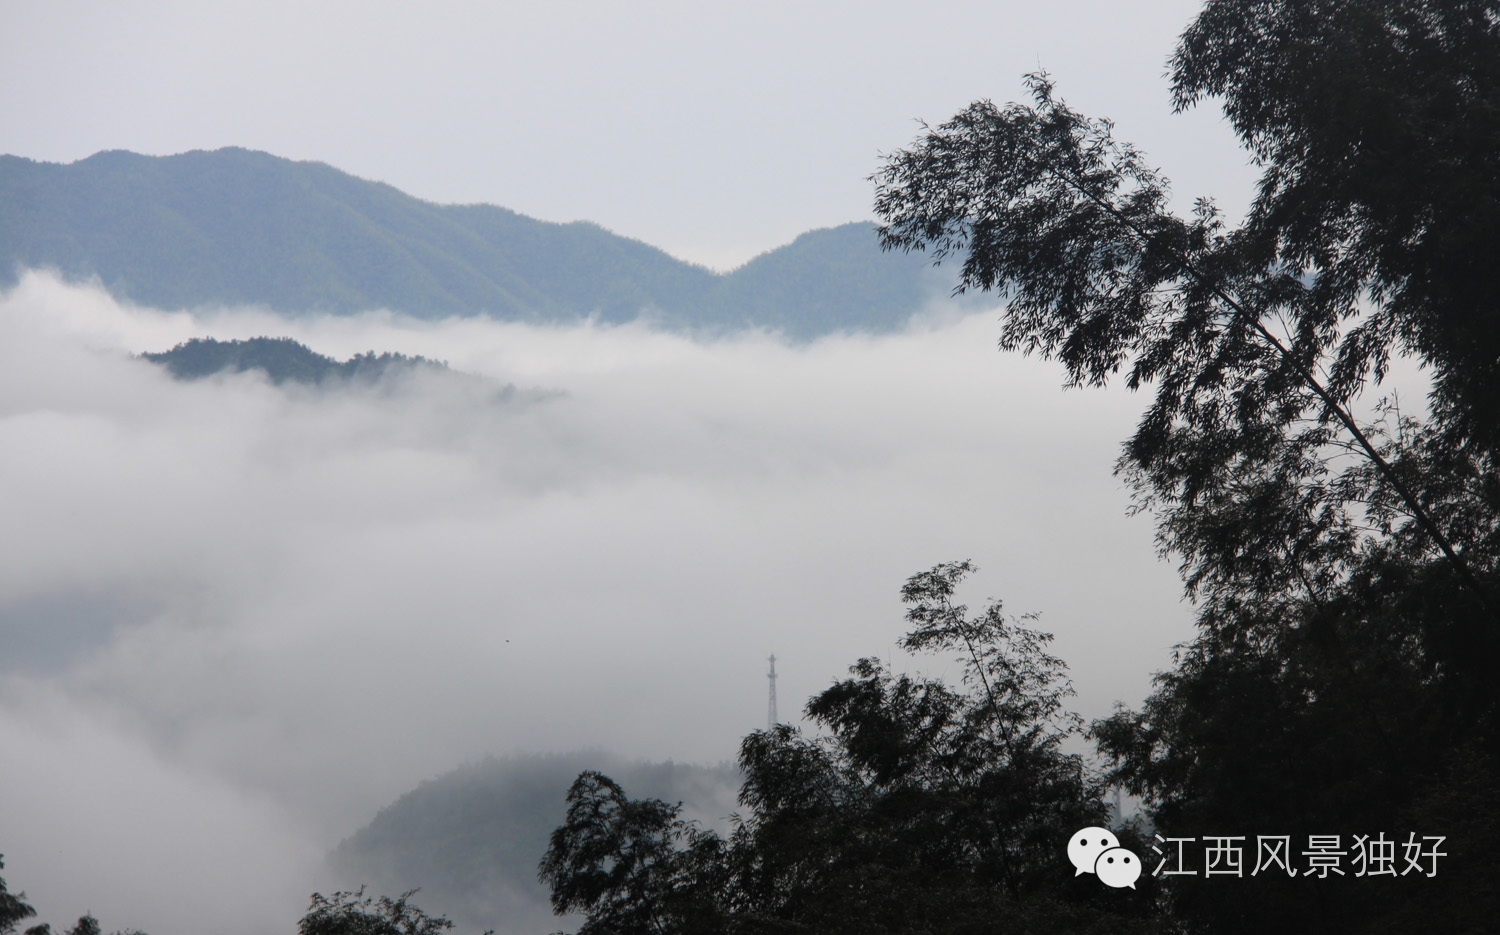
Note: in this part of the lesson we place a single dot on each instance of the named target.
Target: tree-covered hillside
(282, 360)
(234, 226)
(472, 839)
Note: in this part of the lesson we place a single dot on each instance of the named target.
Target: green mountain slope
(789, 287)
(283, 360)
(472, 839)
(235, 226)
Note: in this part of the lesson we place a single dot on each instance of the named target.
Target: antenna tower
(771, 718)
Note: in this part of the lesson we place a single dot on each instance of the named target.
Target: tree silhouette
(1345, 566)
(925, 807)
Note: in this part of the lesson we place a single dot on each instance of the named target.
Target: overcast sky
(713, 130)
(238, 619)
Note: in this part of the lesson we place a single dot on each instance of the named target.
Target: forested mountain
(241, 227)
(282, 360)
(472, 839)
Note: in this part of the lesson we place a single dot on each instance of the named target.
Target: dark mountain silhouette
(283, 360)
(472, 839)
(235, 226)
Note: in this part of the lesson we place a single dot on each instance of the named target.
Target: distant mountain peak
(236, 226)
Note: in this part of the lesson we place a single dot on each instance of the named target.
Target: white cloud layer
(245, 617)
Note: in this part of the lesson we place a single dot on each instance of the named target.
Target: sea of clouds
(237, 618)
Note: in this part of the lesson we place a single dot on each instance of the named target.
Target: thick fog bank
(240, 618)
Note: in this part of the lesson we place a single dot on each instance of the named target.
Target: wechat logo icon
(1098, 851)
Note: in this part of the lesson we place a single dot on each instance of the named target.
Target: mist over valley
(245, 615)
(732, 468)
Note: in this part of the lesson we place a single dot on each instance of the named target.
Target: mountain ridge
(282, 360)
(238, 226)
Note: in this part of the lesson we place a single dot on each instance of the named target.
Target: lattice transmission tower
(771, 718)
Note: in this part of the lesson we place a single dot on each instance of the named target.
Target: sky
(238, 619)
(715, 131)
